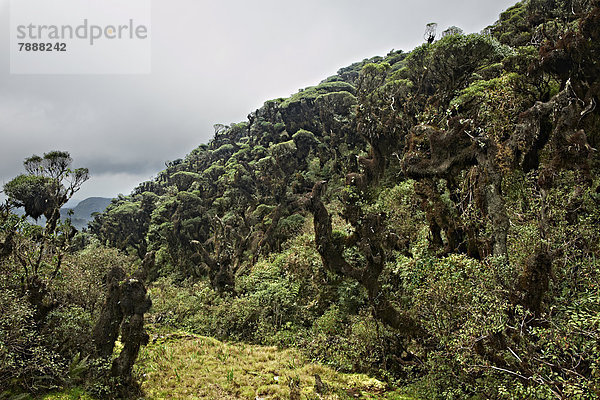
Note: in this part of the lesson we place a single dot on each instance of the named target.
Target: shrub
(25, 362)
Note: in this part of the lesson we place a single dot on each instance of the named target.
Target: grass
(70, 394)
(184, 366)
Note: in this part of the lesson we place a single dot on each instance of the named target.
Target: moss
(184, 179)
(283, 149)
(224, 151)
(311, 93)
(480, 89)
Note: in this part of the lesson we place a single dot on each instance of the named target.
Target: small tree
(430, 32)
(453, 30)
(48, 185)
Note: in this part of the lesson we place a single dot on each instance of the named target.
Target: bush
(81, 278)
(25, 362)
(68, 330)
(353, 343)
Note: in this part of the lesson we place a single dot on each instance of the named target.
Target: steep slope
(237, 197)
(427, 216)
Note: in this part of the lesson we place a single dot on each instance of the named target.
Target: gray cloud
(212, 62)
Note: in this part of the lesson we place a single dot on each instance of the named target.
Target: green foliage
(68, 330)
(460, 302)
(304, 138)
(274, 302)
(351, 342)
(331, 322)
(440, 149)
(224, 151)
(124, 223)
(184, 179)
(76, 393)
(32, 192)
(81, 279)
(284, 149)
(470, 52)
(337, 102)
(25, 360)
(50, 294)
(289, 226)
(512, 27)
(313, 92)
(47, 186)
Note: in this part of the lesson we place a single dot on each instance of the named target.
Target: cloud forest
(421, 225)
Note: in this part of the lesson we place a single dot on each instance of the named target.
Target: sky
(212, 62)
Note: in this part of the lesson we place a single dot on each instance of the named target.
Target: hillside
(82, 212)
(404, 215)
(429, 219)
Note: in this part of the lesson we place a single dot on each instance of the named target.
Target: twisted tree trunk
(123, 310)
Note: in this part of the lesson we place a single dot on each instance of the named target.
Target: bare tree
(430, 32)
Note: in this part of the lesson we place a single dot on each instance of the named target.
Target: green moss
(225, 150)
(480, 89)
(304, 136)
(283, 149)
(311, 93)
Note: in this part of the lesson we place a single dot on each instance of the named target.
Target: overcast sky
(212, 62)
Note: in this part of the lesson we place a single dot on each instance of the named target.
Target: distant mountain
(82, 212)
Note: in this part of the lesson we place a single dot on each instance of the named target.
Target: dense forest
(428, 218)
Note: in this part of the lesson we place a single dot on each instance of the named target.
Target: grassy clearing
(183, 366)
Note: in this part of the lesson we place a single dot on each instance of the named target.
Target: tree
(369, 238)
(48, 185)
(430, 31)
(453, 30)
(125, 223)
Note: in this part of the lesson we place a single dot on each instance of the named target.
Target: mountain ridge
(83, 212)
